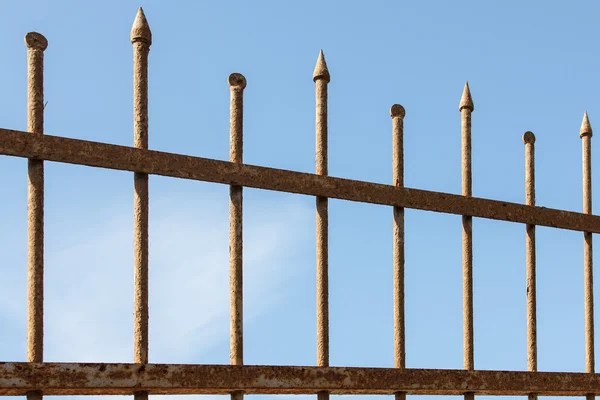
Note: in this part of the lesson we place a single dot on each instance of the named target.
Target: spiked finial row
(586, 128)
(140, 31)
(466, 101)
(321, 71)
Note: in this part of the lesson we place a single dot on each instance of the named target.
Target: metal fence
(36, 378)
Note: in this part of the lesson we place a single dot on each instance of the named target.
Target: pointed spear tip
(586, 128)
(466, 101)
(140, 31)
(321, 71)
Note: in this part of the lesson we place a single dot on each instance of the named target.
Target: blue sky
(531, 66)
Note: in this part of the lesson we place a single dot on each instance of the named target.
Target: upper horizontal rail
(94, 154)
(124, 379)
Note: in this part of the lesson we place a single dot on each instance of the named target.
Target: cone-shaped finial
(140, 31)
(586, 128)
(321, 71)
(466, 101)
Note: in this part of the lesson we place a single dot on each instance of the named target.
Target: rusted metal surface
(466, 107)
(237, 84)
(530, 261)
(35, 378)
(36, 44)
(141, 39)
(94, 154)
(125, 379)
(322, 78)
(397, 113)
(530, 265)
(588, 274)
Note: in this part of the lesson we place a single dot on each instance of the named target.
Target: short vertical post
(237, 84)
(322, 78)
(530, 264)
(466, 107)
(397, 113)
(585, 134)
(36, 44)
(141, 38)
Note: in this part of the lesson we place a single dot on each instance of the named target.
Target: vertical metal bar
(237, 84)
(530, 268)
(36, 44)
(585, 134)
(466, 107)
(141, 38)
(322, 78)
(397, 113)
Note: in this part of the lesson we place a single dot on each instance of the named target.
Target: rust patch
(123, 379)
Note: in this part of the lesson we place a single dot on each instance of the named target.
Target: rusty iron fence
(36, 378)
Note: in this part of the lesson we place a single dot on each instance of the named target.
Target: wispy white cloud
(190, 282)
(89, 280)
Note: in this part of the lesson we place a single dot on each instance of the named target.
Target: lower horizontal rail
(94, 154)
(124, 379)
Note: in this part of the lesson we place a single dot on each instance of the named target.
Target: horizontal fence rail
(125, 379)
(94, 154)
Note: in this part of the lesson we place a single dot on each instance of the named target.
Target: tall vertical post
(237, 84)
(36, 44)
(141, 38)
(322, 78)
(530, 264)
(466, 107)
(397, 113)
(585, 134)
